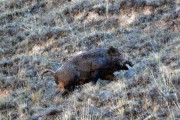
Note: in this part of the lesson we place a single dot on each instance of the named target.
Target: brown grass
(34, 36)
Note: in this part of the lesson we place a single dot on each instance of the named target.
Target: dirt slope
(39, 34)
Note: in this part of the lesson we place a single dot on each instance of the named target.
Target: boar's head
(118, 59)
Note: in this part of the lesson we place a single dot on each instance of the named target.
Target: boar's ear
(112, 50)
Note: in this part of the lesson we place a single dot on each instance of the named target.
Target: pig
(89, 67)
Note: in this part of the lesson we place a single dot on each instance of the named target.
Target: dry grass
(34, 36)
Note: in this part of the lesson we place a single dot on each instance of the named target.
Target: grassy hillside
(39, 34)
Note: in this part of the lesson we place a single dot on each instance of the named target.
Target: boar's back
(91, 61)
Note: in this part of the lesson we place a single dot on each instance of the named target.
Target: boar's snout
(126, 64)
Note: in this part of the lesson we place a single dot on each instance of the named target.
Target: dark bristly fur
(89, 67)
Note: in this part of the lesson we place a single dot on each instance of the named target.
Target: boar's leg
(110, 77)
(96, 76)
(70, 87)
(64, 91)
(62, 88)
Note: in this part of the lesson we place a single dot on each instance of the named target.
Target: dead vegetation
(43, 34)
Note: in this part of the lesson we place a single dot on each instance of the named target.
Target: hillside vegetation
(40, 34)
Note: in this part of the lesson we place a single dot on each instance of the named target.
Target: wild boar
(89, 67)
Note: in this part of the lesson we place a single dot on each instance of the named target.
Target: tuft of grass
(36, 97)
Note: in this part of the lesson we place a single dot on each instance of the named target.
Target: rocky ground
(39, 34)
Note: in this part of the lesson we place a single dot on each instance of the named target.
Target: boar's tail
(47, 70)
